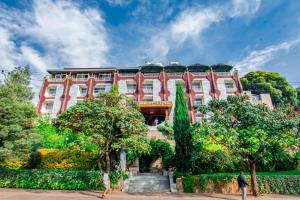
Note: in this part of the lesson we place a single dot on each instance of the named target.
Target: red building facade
(153, 86)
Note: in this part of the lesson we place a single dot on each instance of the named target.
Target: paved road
(17, 194)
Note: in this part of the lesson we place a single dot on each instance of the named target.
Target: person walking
(242, 184)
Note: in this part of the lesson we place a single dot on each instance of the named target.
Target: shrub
(13, 164)
(281, 183)
(166, 129)
(51, 179)
(68, 159)
(159, 149)
(56, 179)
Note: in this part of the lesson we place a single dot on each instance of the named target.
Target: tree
(182, 133)
(111, 122)
(282, 93)
(298, 96)
(251, 132)
(17, 117)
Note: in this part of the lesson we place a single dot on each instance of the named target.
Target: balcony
(199, 73)
(223, 73)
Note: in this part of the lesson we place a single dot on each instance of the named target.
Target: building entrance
(154, 120)
(155, 112)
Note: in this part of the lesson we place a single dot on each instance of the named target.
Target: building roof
(150, 68)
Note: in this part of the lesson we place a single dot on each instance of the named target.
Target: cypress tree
(182, 132)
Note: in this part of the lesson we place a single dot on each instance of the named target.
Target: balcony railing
(151, 74)
(223, 73)
(230, 89)
(199, 73)
(53, 79)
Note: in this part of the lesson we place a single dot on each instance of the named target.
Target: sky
(248, 34)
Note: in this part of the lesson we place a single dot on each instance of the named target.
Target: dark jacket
(241, 181)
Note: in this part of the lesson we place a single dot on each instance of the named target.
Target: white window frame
(229, 89)
(104, 76)
(101, 87)
(199, 117)
(130, 89)
(50, 87)
(148, 86)
(198, 99)
(197, 85)
(80, 94)
(82, 76)
(46, 108)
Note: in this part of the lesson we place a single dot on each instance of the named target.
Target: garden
(76, 150)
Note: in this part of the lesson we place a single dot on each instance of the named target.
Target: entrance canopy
(155, 111)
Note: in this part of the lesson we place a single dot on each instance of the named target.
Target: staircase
(147, 182)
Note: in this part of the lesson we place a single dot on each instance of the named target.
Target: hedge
(55, 179)
(67, 159)
(226, 183)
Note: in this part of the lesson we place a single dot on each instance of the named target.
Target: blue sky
(249, 34)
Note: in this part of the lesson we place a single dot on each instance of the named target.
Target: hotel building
(153, 86)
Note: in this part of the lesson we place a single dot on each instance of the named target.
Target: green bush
(67, 159)
(56, 179)
(159, 149)
(279, 182)
(51, 179)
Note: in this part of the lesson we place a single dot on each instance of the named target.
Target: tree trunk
(254, 185)
(107, 158)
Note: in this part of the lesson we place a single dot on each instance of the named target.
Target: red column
(42, 95)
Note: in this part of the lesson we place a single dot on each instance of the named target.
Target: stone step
(148, 182)
(149, 178)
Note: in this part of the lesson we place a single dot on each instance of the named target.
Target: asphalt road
(19, 194)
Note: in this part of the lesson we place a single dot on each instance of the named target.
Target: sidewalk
(19, 194)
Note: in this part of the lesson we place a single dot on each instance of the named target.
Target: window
(148, 87)
(59, 76)
(82, 91)
(197, 86)
(128, 74)
(51, 91)
(104, 77)
(199, 117)
(48, 107)
(256, 97)
(198, 101)
(99, 89)
(82, 76)
(148, 98)
(229, 86)
(130, 85)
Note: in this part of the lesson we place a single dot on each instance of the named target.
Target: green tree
(182, 133)
(251, 132)
(281, 91)
(298, 96)
(111, 122)
(17, 117)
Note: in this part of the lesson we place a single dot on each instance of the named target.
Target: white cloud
(62, 33)
(192, 22)
(51, 35)
(258, 58)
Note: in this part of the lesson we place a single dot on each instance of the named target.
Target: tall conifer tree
(182, 133)
(17, 117)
